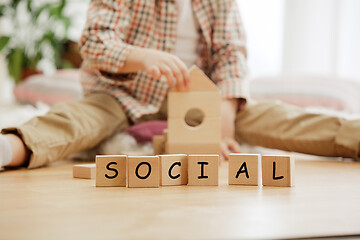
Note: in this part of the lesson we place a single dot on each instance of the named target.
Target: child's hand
(228, 113)
(157, 63)
(229, 145)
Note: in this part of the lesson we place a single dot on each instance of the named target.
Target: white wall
(348, 54)
(310, 37)
(303, 37)
(263, 20)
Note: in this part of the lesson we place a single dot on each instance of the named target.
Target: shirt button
(169, 44)
(171, 8)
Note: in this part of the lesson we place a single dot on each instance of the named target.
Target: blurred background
(307, 37)
(294, 47)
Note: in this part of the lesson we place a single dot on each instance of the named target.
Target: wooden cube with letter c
(143, 171)
(111, 170)
(174, 170)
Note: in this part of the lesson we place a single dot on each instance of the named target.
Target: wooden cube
(165, 135)
(244, 169)
(111, 170)
(86, 171)
(203, 170)
(143, 171)
(159, 144)
(174, 169)
(278, 171)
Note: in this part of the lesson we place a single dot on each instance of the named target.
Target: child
(134, 51)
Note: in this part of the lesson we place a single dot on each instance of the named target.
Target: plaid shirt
(115, 27)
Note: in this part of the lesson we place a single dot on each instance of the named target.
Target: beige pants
(79, 125)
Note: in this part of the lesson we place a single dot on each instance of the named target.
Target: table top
(48, 203)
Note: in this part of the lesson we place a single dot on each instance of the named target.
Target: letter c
(170, 169)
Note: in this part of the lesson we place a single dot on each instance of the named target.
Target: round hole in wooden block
(194, 117)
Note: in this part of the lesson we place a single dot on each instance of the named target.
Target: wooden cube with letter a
(143, 171)
(111, 170)
(203, 170)
(174, 169)
(278, 170)
(244, 169)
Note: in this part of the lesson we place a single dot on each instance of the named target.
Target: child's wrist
(139, 57)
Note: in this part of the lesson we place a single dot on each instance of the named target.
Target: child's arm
(228, 113)
(103, 45)
(228, 61)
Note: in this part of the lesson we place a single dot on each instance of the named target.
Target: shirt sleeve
(228, 55)
(102, 43)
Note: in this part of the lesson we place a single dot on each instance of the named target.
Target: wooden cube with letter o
(143, 171)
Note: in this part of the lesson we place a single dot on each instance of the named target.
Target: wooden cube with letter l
(111, 170)
(278, 170)
(194, 118)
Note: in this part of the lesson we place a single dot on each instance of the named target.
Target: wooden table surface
(48, 203)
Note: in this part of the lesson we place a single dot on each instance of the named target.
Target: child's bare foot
(13, 152)
(5, 151)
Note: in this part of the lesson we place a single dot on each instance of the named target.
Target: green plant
(33, 35)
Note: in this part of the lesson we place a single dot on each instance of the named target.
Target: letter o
(137, 170)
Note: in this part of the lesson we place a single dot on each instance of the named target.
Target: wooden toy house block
(202, 97)
(244, 169)
(174, 169)
(277, 171)
(111, 170)
(165, 135)
(87, 171)
(203, 170)
(159, 144)
(143, 171)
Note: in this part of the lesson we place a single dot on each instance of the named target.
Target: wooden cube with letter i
(203, 170)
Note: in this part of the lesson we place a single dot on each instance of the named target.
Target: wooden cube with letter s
(111, 170)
